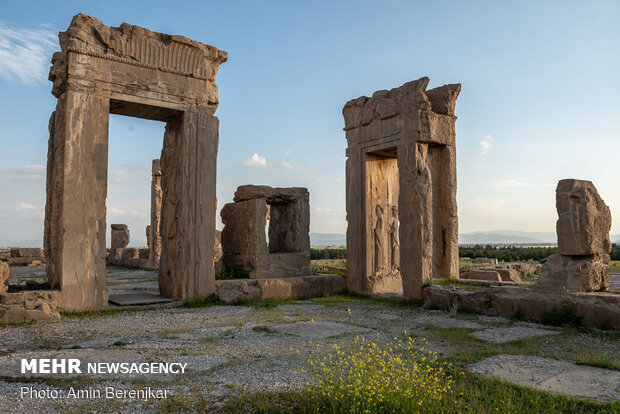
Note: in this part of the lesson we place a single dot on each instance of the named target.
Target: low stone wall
(19, 256)
(256, 290)
(130, 257)
(596, 309)
(38, 305)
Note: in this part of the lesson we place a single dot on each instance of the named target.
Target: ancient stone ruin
(244, 242)
(154, 233)
(401, 188)
(132, 71)
(582, 262)
(29, 256)
(5, 272)
(120, 236)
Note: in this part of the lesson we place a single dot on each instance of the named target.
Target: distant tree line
(518, 253)
(507, 253)
(501, 253)
(328, 253)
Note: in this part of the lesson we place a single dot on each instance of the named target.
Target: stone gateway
(401, 188)
(132, 71)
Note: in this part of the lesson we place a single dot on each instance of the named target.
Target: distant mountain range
(514, 237)
(476, 237)
(328, 239)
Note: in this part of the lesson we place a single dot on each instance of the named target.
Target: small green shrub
(566, 315)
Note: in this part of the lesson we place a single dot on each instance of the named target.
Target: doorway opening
(382, 221)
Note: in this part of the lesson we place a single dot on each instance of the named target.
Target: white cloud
(25, 53)
(288, 166)
(486, 144)
(256, 161)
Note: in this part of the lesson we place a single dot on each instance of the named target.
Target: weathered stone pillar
(155, 227)
(584, 221)
(188, 208)
(75, 230)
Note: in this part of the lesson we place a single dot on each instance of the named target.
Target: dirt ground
(260, 347)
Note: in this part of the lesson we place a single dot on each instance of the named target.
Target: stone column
(188, 207)
(75, 233)
(155, 232)
(415, 207)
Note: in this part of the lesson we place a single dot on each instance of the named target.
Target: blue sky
(539, 99)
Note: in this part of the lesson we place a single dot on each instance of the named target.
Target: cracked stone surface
(511, 333)
(556, 376)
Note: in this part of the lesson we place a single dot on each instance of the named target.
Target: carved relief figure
(393, 238)
(378, 240)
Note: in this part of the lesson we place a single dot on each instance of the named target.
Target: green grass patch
(207, 302)
(471, 394)
(230, 273)
(263, 328)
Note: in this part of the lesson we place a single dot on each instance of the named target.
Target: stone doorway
(129, 70)
(401, 157)
(382, 220)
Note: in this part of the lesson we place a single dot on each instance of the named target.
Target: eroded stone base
(595, 309)
(256, 290)
(130, 257)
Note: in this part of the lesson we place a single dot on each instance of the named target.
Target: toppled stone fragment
(582, 262)
(120, 236)
(482, 274)
(584, 219)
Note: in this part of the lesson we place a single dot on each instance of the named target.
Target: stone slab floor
(263, 346)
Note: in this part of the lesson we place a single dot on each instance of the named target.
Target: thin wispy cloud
(27, 207)
(289, 166)
(25, 53)
(257, 161)
(30, 172)
(486, 144)
(30, 209)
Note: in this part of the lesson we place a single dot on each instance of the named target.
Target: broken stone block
(34, 253)
(482, 274)
(509, 275)
(485, 261)
(584, 219)
(120, 236)
(5, 272)
(575, 273)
